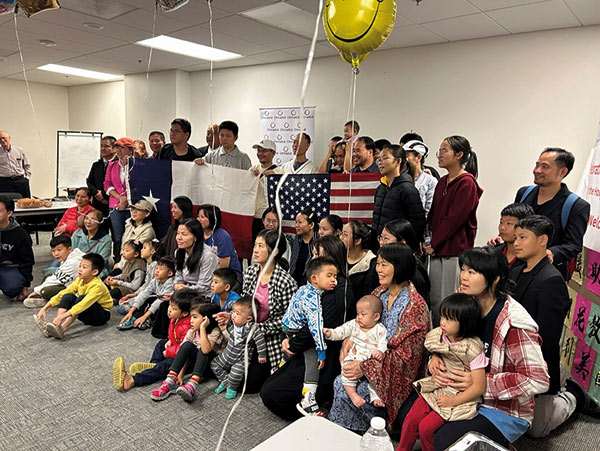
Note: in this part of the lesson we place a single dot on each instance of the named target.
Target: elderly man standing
(212, 140)
(15, 169)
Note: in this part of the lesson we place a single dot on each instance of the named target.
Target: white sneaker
(308, 406)
(34, 302)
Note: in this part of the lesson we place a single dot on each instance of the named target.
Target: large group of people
(400, 317)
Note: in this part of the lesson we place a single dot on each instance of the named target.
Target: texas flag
(232, 190)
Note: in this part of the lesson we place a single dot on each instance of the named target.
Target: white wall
(511, 96)
(39, 143)
(98, 108)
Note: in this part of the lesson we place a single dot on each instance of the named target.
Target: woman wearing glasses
(452, 220)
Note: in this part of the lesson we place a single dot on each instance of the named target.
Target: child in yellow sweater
(86, 299)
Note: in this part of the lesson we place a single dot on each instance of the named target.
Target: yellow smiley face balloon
(357, 27)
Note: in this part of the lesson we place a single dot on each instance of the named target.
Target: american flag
(349, 196)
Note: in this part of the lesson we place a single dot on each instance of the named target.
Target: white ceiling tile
(430, 10)
(489, 5)
(46, 30)
(402, 21)
(262, 34)
(9, 41)
(143, 19)
(411, 36)
(201, 35)
(275, 56)
(321, 49)
(538, 16)
(312, 6)
(72, 19)
(246, 61)
(105, 9)
(236, 6)
(587, 11)
(466, 27)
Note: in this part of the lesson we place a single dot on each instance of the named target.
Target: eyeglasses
(441, 152)
(271, 221)
(383, 240)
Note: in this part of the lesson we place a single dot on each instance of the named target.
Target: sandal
(146, 324)
(125, 325)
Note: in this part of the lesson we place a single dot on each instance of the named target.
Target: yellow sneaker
(118, 373)
(138, 367)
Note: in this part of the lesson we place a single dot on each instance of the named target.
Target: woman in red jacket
(452, 220)
(69, 221)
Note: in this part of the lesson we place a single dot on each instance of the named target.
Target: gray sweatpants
(443, 276)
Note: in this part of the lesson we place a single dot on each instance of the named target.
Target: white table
(58, 207)
(311, 434)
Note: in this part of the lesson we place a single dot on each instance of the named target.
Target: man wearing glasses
(179, 149)
(265, 152)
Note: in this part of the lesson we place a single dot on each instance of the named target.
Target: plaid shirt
(517, 368)
(281, 289)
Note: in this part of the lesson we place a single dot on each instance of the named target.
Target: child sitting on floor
(201, 344)
(148, 254)
(368, 338)
(139, 227)
(456, 342)
(133, 271)
(229, 365)
(220, 288)
(148, 301)
(86, 299)
(69, 259)
(305, 309)
(165, 350)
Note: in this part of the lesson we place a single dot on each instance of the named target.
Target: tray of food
(27, 202)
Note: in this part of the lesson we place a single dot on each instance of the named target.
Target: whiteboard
(75, 153)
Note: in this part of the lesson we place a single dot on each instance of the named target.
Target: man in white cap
(416, 151)
(265, 152)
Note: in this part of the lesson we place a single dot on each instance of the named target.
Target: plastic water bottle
(376, 438)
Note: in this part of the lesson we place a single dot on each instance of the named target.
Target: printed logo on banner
(281, 125)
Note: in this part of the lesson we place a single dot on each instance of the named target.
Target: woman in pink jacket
(115, 185)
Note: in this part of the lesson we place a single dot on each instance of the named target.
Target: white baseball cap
(266, 144)
(417, 146)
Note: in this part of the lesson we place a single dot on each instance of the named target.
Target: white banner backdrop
(589, 189)
(282, 124)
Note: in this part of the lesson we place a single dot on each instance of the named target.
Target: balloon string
(351, 102)
(278, 208)
(210, 88)
(147, 90)
(35, 119)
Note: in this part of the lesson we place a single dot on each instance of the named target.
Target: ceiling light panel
(187, 48)
(67, 70)
(284, 16)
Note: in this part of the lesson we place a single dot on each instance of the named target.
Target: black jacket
(400, 200)
(95, 183)
(565, 244)
(16, 249)
(168, 153)
(545, 297)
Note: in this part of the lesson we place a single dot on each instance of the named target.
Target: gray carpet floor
(58, 395)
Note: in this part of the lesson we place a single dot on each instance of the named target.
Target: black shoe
(585, 404)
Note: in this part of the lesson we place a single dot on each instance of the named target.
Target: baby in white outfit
(368, 338)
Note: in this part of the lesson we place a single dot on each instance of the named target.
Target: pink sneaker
(187, 392)
(165, 390)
